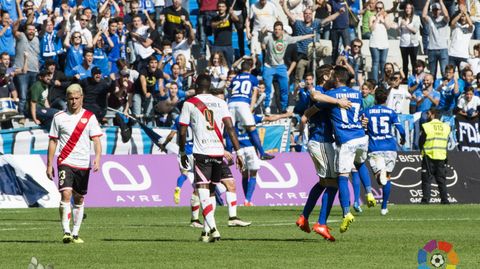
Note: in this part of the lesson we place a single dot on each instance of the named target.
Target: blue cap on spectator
(436, 6)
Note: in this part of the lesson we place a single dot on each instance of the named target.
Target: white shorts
(251, 159)
(323, 157)
(346, 155)
(380, 160)
(241, 112)
(255, 46)
(190, 164)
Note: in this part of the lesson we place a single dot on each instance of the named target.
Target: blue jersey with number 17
(241, 88)
(381, 119)
(346, 122)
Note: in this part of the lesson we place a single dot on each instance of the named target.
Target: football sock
(180, 180)
(207, 207)
(245, 186)
(344, 194)
(213, 200)
(364, 176)
(255, 140)
(251, 188)
(312, 199)
(190, 176)
(232, 204)
(221, 188)
(77, 218)
(327, 203)
(65, 214)
(386, 194)
(356, 186)
(195, 203)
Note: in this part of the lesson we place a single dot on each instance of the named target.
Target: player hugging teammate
(335, 115)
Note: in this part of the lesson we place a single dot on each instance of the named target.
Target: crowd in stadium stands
(141, 56)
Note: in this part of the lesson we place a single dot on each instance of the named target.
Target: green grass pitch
(161, 238)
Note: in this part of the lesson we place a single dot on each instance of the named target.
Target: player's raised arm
(233, 137)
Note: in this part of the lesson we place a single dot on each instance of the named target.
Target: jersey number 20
(243, 87)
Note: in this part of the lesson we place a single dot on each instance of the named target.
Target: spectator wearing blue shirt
(50, 42)
(466, 81)
(100, 57)
(428, 97)
(75, 52)
(84, 70)
(447, 87)
(309, 25)
(340, 27)
(7, 40)
(112, 46)
(11, 7)
(415, 83)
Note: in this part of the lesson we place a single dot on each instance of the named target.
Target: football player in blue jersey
(320, 147)
(351, 141)
(185, 173)
(241, 101)
(382, 144)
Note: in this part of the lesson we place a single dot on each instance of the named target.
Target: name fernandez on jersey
(241, 88)
(346, 122)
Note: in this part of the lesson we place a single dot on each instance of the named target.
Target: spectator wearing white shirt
(462, 31)
(81, 27)
(473, 7)
(437, 25)
(468, 104)
(142, 44)
(398, 96)
(409, 26)
(475, 61)
(263, 14)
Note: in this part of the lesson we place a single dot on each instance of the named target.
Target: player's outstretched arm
(233, 137)
(52, 146)
(320, 97)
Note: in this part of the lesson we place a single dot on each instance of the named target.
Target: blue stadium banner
(468, 133)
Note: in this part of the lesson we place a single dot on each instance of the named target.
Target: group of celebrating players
(341, 137)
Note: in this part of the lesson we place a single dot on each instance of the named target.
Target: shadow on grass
(223, 239)
(30, 241)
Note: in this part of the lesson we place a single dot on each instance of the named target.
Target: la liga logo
(437, 254)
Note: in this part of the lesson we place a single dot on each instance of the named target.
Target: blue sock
(327, 203)
(245, 186)
(364, 176)
(181, 179)
(386, 194)
(255, 140)
(251, 188)
(344, 194)
(356, 187)
(313, 196)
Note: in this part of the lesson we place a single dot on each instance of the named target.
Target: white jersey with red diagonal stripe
(207, 140)
(63, 125)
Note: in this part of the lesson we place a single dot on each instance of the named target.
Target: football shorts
(207, 169)
(323, 157)
(241, 113)
(75, 179)
(252, 162)
(380, 160)
(349, 153)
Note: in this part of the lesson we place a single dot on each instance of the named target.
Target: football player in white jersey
(208, 116)
(73, 129)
